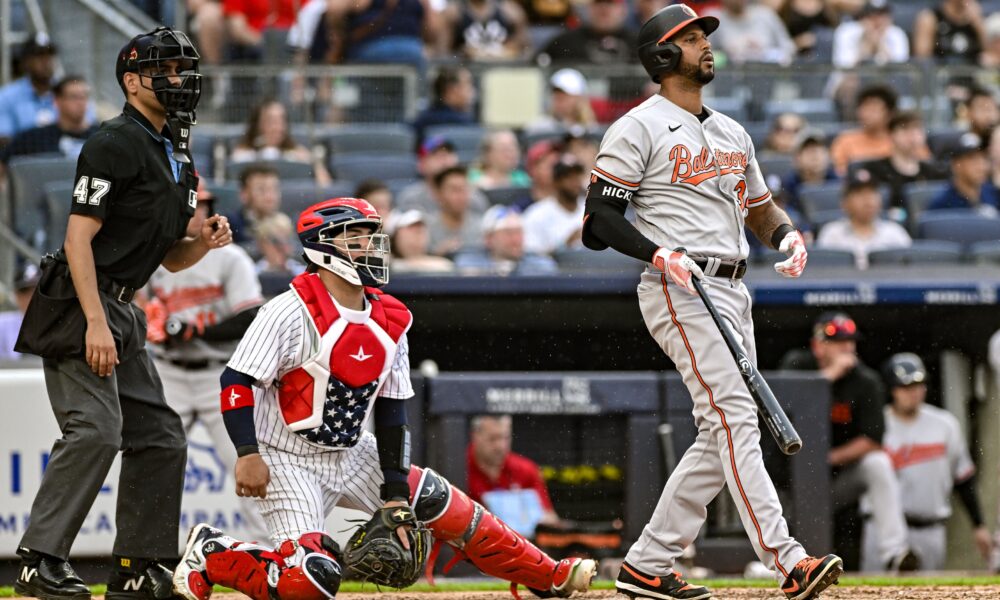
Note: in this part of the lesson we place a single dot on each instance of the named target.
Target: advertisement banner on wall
(27, 431)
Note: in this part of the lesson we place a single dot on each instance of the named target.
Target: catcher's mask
(327, 243)
(146, 54)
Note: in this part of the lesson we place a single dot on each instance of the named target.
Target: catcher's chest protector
(328, 398)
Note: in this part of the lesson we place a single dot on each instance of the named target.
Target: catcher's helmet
(146, 51)
(904, 369)
(659, 55)
(321, 223)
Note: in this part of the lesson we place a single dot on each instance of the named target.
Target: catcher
(316, 363)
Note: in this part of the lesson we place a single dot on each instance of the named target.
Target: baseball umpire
(691, 176)
(133, 198)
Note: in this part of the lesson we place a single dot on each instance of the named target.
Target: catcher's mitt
(374, 553)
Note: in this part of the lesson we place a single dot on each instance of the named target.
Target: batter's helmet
(320, 224)
(904, 369)
(659, 55)
(146, 51)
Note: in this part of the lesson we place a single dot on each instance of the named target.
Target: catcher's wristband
(394, 490)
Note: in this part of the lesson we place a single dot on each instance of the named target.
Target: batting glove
(795, 247)
(679, 266)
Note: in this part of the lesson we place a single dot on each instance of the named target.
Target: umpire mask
(146, 54)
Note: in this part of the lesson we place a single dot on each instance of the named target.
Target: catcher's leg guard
(489, 543)
(306, 569)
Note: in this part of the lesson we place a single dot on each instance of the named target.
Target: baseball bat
(774, 416)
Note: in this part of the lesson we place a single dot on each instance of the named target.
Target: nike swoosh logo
(673, 129)
(654, 582)
(793, 588)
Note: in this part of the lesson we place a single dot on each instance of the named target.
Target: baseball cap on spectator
(539, 150)
(809, 137)
(27, 277)
(38, 45)
(570, 81)
(500, 217)
(858, 179)
(403, 218)
(873, 7)
(967, 143)
(435, 143)
(567, 165)
(835, 326)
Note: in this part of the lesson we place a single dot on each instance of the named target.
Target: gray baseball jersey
(692, 181)
(929, 454)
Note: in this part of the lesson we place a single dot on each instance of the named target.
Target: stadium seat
(467, 138)
(811, 109)
(983, 253)
(916, 197)
(358, 167)
(818, 257)
(299, 194)
(287, 169)
(820, 197)
(940, 139)
(391, 138)
(272, 284)
(822, 217)
(227, 197)
(507, 195)
(775, 164)
(58, 201)
(528, 139)
(758, 131)
(581, 260)
(965, 227)
(731, 106)
(922, 252)
(28, 176)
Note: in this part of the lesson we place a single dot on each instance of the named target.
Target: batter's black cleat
(140, 579)
(635, 584)
(811, 576)
(47, 577)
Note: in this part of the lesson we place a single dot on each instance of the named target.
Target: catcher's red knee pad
(317, 578)
(240, 570)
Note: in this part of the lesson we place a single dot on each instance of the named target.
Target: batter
(690, 174)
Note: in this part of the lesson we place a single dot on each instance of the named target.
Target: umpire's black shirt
(145, 199)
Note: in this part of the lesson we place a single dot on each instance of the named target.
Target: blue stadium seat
(985, 252)
(287, 169)
(227, 197)
(818, 257)
(965, 227)
(811, 109)
(820, 197)
(58, 201)
(822, 217)
(731, 106)
(605, 261)
(299, 194)
(28, 176)
(358, 167)
(391, 138)
(467, 138)
(507, 195)
(272, 284)
(922, 252)
(916, 197)
(758, 131)
(775, 164)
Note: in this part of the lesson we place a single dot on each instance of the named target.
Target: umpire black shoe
(47, 577)
(140, 579)
(907, 562)
(636, 584)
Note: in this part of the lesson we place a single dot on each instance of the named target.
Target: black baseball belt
(118, 291)
(715, 267)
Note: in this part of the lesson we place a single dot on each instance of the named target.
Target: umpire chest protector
(328, 398)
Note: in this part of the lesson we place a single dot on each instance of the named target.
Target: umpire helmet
(144, 53)
(904, 369)
(656, 52)
(361, 260)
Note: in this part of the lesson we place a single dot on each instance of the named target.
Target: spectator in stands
(503, 250)
(10, 321)
(556, 222)
(905, 164)
(540, 159)
(485, 30)
(783, 136)
(861, 230)
(993, 152)
(382, 31)
(871, 39)
(982, 111)
(550, 13)
(568, 103)
(275, 236)
(452, 226)
(28, 102)
(857, 461)
(951, 32)
(498, 162)
(260, 196)
(454, 96)
(269, 137)
(435, 154)
(378, 194)
(750, 33)
(990, 56)
(583, 146)
(493, 466)
(875, 106)
(802, 18)
(245, 24)
(931, 457)
(645, 9)
(604, 39)
(970, 185)
(812, 165)
(67, 135)
(410, 241)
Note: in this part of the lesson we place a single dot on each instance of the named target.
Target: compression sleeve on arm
(605, 225)
(236, 402)
(967, 494)
(232, 328)
(392, 437)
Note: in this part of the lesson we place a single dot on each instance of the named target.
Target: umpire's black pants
(98, 417)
